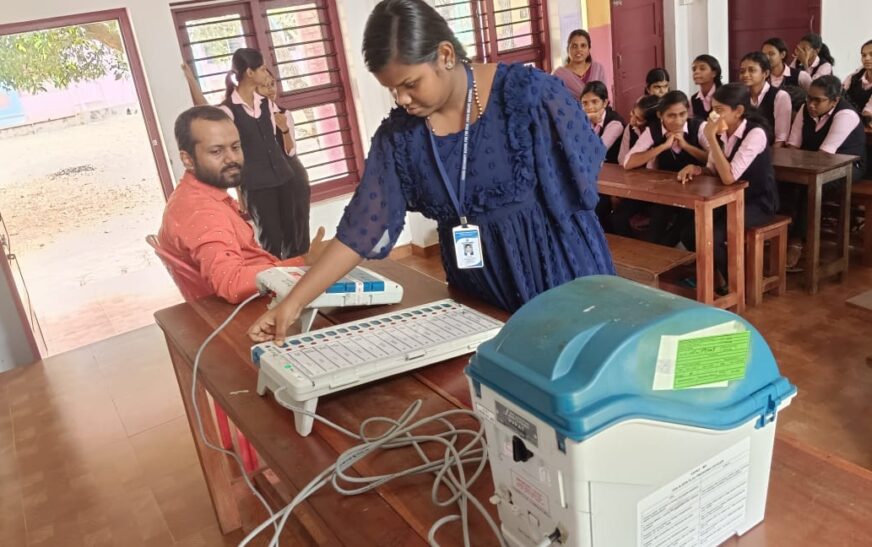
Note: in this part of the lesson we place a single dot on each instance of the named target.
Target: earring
(449, 66)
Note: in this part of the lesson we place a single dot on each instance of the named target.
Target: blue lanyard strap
(457, 198)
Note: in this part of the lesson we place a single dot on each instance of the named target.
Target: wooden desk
(814, 169)
(814, 499)
(703, 195)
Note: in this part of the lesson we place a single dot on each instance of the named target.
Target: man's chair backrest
(186, 278)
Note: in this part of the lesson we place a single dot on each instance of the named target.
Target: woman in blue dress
(525, 200)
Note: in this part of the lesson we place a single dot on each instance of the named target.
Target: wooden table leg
(214, 464)
(844, 228)
(813, 236)
(867, 234)
(705, 260)
(736, 249)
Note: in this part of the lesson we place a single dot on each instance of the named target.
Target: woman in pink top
(813, 57)
(580, 68)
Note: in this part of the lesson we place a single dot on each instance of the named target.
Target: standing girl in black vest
(773, 103)
(827, 123)
(858, 86)
(738, 145)
(669, 145)
(707, 75)
(609, 127)
(813, 56)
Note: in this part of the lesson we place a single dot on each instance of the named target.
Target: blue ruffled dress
(531, 189)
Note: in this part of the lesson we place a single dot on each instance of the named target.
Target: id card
(467, 247)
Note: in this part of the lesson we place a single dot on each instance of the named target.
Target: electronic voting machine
(360, 287)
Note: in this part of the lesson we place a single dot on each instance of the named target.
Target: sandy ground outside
(77, 203)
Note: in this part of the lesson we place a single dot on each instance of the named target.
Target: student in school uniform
(657, 82)
(707, 75)
(579, 67)
(737, 139)
(628, 215)
(773, 103)
(643, 113)
(830, 124)
(609, 127)
(813, 57)
(858, 86)
(780, 73)
(669, 145)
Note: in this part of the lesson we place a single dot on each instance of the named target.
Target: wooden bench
(861, 194)
(645, 262)
(756, 283)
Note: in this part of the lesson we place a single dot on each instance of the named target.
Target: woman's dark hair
(672, 98)
(597, 88)
(713, 64)
(759, 58)
(778, 44)
(575, 34)
(408, 31)
(648, 105)
(243, 59)
(656, 75)
(830, 85)
(815, 41)
(735, 95)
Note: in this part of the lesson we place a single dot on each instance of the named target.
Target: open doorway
(85, 179)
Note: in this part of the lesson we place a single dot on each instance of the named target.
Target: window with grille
(507, 31)
(302, 46)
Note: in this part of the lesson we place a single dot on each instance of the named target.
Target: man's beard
(230, 175)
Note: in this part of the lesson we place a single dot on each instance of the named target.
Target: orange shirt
(202, 227)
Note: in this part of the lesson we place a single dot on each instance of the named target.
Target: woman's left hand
(281, 121)
(688, 172)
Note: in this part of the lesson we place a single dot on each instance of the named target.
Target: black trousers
(754, 216)
(281, 214)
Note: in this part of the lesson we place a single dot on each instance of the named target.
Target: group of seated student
(776, 104)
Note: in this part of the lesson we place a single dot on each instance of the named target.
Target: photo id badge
(467, 247)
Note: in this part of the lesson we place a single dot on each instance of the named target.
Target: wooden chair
(756, 283)
(190, 283)
(861, 194)
(645, 262)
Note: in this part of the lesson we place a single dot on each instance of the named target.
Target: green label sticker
(711, 359)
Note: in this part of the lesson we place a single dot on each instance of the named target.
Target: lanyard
(457, 197)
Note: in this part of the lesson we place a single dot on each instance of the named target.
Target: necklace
(475, 95)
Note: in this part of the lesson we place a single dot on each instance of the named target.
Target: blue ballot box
(621, 415)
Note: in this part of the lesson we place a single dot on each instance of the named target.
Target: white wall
(693, 27)
(845, 26)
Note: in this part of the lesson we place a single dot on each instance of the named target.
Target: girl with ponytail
(813, 57)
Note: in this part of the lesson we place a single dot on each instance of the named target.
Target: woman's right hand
(274, 324)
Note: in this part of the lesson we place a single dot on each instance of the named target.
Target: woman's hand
(688, 172)
(281, 119)
(274, 324)
(317, 247)
(667, 144)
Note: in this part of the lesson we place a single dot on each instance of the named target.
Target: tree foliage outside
(61, 56)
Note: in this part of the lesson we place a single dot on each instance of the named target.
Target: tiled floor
(95, 448)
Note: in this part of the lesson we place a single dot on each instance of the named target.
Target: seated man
(201, 224)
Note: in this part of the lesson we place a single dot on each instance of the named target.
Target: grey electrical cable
(197, 407)
(448, 471)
